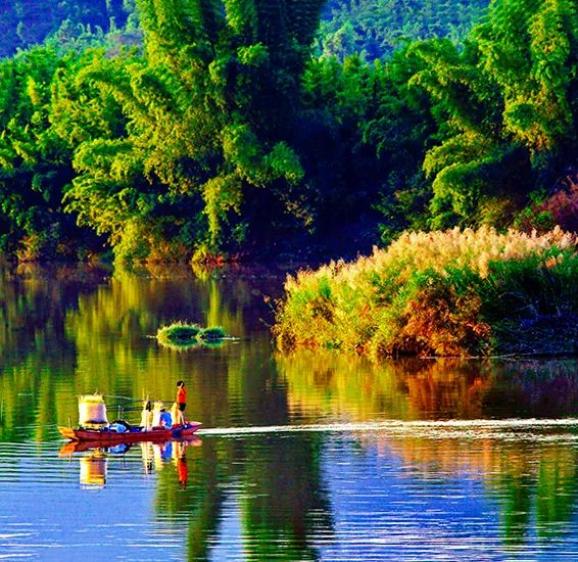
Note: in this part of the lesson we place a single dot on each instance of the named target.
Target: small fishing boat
(94, 426)
(109, 436)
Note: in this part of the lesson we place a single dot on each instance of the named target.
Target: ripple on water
(483, 490)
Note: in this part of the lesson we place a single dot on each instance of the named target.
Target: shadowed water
(312, 456)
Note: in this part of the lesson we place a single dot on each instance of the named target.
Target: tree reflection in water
(534, 481)
(71, 331)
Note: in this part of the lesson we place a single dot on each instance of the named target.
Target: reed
(451, 293)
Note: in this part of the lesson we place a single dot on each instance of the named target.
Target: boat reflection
(155, 456)
(93, 470)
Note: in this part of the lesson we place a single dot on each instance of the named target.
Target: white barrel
(92, 409)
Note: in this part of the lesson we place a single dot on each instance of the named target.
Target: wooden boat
(132, 435)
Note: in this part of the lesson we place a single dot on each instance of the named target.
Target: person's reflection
(180, 460)
(162, 453)
(147, 454)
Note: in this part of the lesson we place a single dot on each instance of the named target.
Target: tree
(506, 109)
(35, 163)
(208, 109)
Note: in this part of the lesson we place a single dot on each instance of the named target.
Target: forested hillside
(375, 27)
(378, 27)
(27, 22)
(226, 134)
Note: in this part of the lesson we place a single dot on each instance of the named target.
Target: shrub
(437, 293)
(559, 208)
(179, 335)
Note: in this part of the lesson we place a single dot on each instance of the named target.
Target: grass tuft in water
(182, 336)
(212, 334)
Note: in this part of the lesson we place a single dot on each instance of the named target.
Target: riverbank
(454, 293)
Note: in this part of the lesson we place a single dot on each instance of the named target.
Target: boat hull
(112, 437)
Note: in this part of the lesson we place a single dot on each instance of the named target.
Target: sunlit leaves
(198, 110)
(504, 104)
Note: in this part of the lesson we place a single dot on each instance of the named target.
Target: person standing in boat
(181, 402)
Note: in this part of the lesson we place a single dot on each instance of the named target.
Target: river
(311, 456)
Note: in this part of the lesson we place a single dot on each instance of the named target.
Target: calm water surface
(314, 456)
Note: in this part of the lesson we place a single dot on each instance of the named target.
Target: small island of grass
(453, 293)
(181, 335)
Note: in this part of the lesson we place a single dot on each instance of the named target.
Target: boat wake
(511, 429)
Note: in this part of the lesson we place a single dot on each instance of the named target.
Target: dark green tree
(35, 163)
(209, 108)
(506, 105)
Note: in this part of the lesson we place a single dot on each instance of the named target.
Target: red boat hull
(112, 437)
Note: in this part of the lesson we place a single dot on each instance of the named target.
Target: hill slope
(377, 27)
(348, 26)
(26, 22)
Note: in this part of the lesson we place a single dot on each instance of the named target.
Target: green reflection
(284, 501)
(91, 333)
(68, 332)
(535, 484)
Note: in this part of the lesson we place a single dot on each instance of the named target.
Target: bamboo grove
(223, 131)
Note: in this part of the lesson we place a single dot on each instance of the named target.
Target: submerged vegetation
(456, 293)
(182, 336)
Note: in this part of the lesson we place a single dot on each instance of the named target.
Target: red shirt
(181, 395)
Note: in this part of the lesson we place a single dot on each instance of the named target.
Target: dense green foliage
(508, 101)
(26, 22)
(378, 27)
(202, 133)
(35, 161)
(441, 293)
(224, 133)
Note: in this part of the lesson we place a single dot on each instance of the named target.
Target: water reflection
(74, 334)
(493, 491)
(322, 384)
(93, 458)
(93, 469)
(533, 484)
